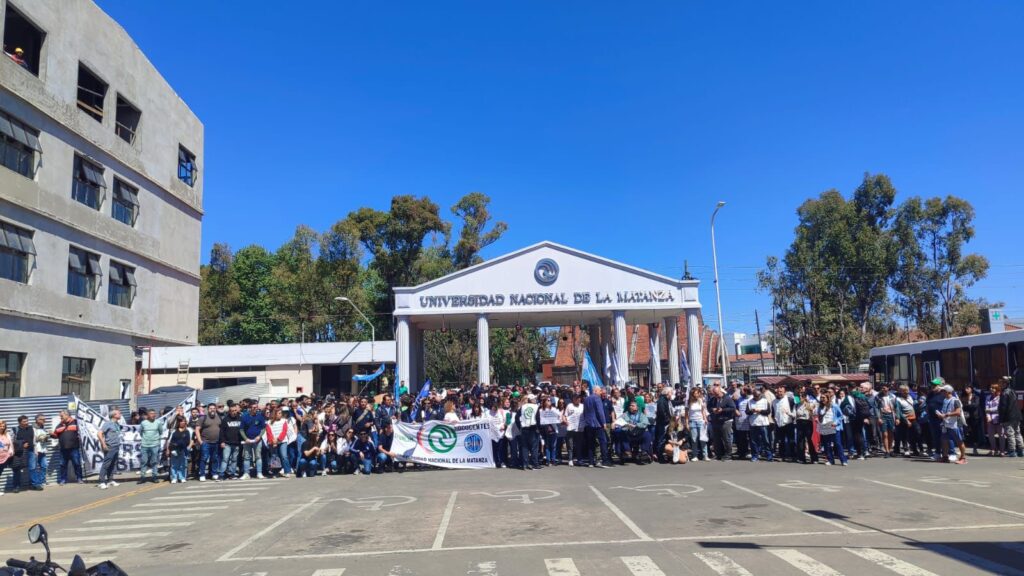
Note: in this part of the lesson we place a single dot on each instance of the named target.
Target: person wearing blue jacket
(593, 422)
(830, 428)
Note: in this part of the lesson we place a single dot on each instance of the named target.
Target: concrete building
(100, 203)
(284, 369)
(742, 343)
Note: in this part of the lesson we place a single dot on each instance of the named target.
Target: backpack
(863, 409)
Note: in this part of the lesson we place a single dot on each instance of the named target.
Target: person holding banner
(527, 420)
(151, 433)
(574, 435)
(69, 444)
(549, 419)
(496, 414)
(110, 437)
(6, 450)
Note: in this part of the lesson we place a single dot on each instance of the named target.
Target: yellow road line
(83, 508)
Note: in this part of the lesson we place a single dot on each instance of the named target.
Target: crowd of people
(539, 426)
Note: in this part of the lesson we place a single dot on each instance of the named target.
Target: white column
(483, 350)
(693, 341)
(672, 333)
(654, 339)
(420, 375)
(402, 356)
(621, 347)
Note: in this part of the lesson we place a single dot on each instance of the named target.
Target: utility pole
(760, 349)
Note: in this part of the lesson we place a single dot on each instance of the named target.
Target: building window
(17, 251)
(77, 377)
(125, 206)
(121, 289)
(23, 41)
(188, 172)
(10, 374)
(18, 146)
(83, 273)
(91, 93)
(87, 183)
(127, 120)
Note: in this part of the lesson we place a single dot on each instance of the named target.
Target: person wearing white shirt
(759, 410)
(499, 444)
(574, 435)
(785, 426)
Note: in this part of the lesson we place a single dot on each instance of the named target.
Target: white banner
(463, 445)
(89, 422)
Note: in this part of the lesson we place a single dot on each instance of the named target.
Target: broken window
(87, 183)
(18, 146)
(83, 273)
(91, 93)
(128, 117)
(121, 290)
(23, 41)
(188, 172)
(125, 206)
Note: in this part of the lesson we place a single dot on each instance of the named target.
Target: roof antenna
(686, 271)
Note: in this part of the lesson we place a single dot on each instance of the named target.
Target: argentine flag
(590, 373)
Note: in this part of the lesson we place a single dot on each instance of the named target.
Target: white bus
(980, 360)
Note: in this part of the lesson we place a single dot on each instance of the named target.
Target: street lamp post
(718, 296)
(373, 334)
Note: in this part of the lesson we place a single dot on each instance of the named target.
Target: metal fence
(49, 406)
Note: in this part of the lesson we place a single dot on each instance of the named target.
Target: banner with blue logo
(462, 445)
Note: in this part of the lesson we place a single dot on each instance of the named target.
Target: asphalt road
(910, 518)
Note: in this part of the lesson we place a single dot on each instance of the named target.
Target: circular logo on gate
(546, 272)
(442, 439)
(474, 443)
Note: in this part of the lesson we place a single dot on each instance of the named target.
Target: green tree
(218, 299)
(473, 210)
(259, 321)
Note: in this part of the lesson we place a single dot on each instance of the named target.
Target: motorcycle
(33, 567)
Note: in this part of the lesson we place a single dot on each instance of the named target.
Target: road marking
(91, 506)
(641, 566)
(889, 562)
(722, 564)
(189, 503)
(375, 503)
(63, 539)
(329, 572)
(445, 519)
(484, 569)
(221, 491)
(80, 549)
(521, 495)
(664, 489)
(175, 509)
(217, 486)
(973, 561)
(445, 549)
(561, 567)
(621, 516)
(946, 528)
(804, 563)
(801, 485)
(791, 507)
(950, 498)
(167, 517)
(123, 526)
(268, 529)
(768, 535)
(212, 498)
(956, 481)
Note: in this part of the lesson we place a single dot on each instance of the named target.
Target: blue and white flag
(608, 363)
(369, 377)
(589, 372)
(684, 368)
(424, 391)
(397, 387)
(616, 375)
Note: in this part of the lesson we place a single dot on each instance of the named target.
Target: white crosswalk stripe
(77, 549)
(123, 526)
(189, 503)
(804, 563)
(62, 539)
(160, 516)
(890, 562)
(641, 566)
(722, 564)
(169, 509)
(561, 567)
(220, 490)
(329, 572)
(212, 497)
(484, 569)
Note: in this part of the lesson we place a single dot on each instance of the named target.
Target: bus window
(955, 365)
(898, 369)
(989, 365)
(878, 370)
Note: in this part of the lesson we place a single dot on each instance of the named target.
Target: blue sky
(610, 127)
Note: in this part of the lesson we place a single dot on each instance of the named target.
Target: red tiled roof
(751, 357)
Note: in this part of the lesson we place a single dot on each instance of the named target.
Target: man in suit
(593, 422)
